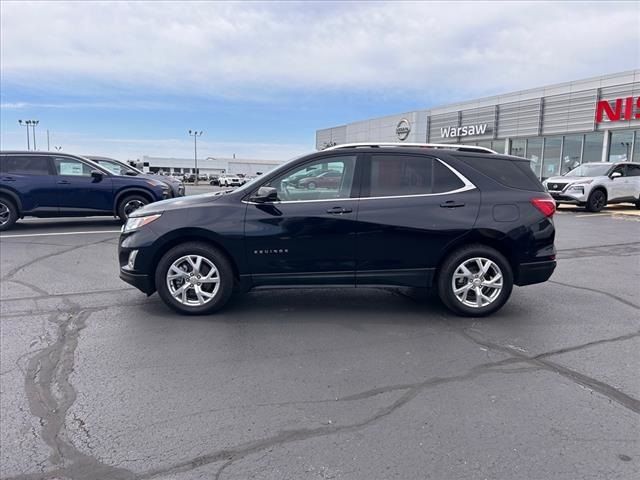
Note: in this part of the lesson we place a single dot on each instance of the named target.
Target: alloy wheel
(477, 282)
(5, 214)
(193, 280)
(131, 206)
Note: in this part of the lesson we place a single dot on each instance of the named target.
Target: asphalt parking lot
(100, 382)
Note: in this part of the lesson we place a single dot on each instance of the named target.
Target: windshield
(589, 170)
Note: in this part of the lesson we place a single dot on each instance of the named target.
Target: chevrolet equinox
(464, 220)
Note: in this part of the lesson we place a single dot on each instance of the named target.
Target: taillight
(546, 205)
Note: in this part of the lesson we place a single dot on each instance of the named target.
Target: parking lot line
(57, 233)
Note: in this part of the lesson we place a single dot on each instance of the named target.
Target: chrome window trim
(468, 185)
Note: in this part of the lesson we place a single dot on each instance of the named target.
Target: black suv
(463, 219)
(41, 184)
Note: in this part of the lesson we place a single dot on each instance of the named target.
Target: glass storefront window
(571, 153)
(534, 153)
(620, 146)
(636, 148)
(484, 143)
(498, 145)
(518, 148)
(593, 147)
(551, 163)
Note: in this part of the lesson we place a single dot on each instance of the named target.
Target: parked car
(203, 177)
(596, 185)
(328, 179)
(230, 181)
(214, 180)
(41, 184)
(120, 168)
(189, 178)
(462, 220)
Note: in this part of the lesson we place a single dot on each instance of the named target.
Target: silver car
(595, 185)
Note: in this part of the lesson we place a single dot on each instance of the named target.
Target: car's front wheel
(130, 204)
(475, 281)
(597, 201)
(194, 278)
(8, 214)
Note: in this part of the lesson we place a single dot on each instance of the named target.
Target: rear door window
(396, 175)
(25, 165)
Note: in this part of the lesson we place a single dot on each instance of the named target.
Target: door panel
(30, 176)
(403, 226)
(78, 191)
(308, 236)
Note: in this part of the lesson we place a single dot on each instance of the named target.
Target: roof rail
(444, 146)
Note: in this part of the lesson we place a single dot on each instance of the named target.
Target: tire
(8, 213)
(311, 185)
(597, 201)
(638, 204)
(466, 303)
(129, 203)
(190, 302)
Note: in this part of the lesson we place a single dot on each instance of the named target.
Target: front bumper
(576, 197)
(142, 282)
(535, 272)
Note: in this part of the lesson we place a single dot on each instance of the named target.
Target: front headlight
(582, 182)
(135, 223)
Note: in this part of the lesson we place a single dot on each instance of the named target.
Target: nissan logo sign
(403, 129)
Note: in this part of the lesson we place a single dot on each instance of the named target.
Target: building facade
(206, 166)
(557, 127)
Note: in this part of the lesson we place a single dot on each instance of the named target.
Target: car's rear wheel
(475, 281)
(194, 278)
(8, 214)
(597, 201)
(130, 204)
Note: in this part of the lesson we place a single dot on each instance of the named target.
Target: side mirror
(616, 175)
(265, 194)
(97, 175)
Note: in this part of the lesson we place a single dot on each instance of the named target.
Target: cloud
(262, 50)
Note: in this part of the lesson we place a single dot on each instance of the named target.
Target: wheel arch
(14, 197)
(181, 236)
(131, 191)
(485, 237)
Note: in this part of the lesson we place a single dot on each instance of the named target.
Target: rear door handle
(339, 210)
(8, 179)
(451, 204)
(64, 182)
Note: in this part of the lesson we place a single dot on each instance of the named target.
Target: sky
(127, 79)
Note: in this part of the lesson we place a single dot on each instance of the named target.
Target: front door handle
(64, 182)
(452, 204)
(8, 179)
(339, 210)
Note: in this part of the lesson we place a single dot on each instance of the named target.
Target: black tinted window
(633, 170)
(444, 180)
(397, 175)
(393, 175)
(507, 171)
(24, 165)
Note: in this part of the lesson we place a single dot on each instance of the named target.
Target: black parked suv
(41, 184)
(465, 220)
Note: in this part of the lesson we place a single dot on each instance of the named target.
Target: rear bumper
(142, 282)
(535, 272)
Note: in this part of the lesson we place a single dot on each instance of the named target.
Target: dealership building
(557, 127)
(206, 165)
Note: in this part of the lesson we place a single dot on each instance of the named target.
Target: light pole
(26, 124)
(195, 134)
(33, 123)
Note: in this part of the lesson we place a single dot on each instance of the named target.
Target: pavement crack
(603, 388)
(50, 394)
(560, 351)
(233, 454)
(601, 292)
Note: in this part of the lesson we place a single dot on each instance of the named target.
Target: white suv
(230, 181)
(594, 185)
